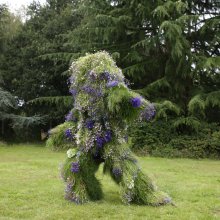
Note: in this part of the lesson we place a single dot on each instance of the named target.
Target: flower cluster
(74, 167)
(71, 79)
(105, 76)
(108, 136)
(88, 89)
(71, 195)
(112, 83)
(68, 134)
(92, 75)
(131, 184)
(68, 190)
(71, 153)
(117, 171)
(71, 117)
(101, 141)
(128, 197)
(136, 102)
(73, 92)
(167, 200)
(148, 113)
(89, 124)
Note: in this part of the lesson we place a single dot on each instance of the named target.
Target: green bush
(163, 138)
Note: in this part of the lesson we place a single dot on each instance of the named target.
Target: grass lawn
(30, 188)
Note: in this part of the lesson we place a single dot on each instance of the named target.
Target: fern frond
(186, 123)
(7, 100)
(159, 84)
(166, 108)
(161, 12)
(197, 105)
(21, 122)
(213, 99)
(171, 30)
(64, 56)
(66, 101)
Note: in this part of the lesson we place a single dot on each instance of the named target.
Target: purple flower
(167, 200)
(117, 171)
(71, 195)
(127, 197)
(69, 187)
(108, 136)
(100, 141)
(136, 102)
(99, 93)
(105, 75)
(74, 167)
(88, 89)
(89, 124)
(68, 191)
(69, 116)
(68, 134)
(148, 113)
(73, 92)
(112, 84)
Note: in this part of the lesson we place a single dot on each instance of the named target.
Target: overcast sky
(16, 4)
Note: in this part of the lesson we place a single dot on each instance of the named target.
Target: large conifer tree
(168, 48)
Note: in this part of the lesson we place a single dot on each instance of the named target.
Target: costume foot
(159, 198)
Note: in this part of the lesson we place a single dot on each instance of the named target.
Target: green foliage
(24, 122)
(98, 62)
(166, 108)
(7, 101)
(162, 139)
(65, 101)
(9, 26)
(9, 112)
(167, 48)
(186, 124)
(213, 99)
(36, 58)
(196, 105)
(159, 85)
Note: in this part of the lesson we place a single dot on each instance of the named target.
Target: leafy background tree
(34, 73)
(168, 50)
(164, 47)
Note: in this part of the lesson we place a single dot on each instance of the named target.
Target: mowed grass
(30, 188)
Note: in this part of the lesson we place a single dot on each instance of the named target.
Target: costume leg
(136, 187)
(79, 175)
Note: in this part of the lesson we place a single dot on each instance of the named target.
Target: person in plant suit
(103, 108)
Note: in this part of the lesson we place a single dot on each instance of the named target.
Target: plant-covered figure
(103, 108)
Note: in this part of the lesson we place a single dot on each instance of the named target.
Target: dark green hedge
(161, 138)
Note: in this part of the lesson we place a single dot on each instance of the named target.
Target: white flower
(131, 184)
(71, 153)
(77, 136)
